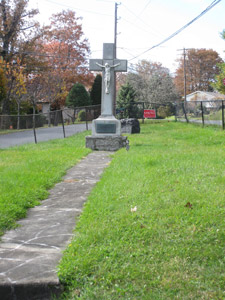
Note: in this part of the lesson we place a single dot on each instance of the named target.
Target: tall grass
(153, 227)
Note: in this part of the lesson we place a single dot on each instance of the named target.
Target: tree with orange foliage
(19, 32)
(18, 88)
(15, 75)
(66, 50)
(201, 68)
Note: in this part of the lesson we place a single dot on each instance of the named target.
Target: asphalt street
(211, 122)
(42, 134)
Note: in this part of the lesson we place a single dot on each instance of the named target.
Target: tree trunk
(34, 125)
(18, 115)
(49, 116)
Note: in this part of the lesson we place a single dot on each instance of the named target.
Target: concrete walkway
(30, 254)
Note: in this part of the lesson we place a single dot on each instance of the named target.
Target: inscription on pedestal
(105, 128)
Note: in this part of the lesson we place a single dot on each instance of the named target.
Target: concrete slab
(29, 255)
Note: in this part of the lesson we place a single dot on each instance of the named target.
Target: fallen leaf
(71, 180)
(188, 205)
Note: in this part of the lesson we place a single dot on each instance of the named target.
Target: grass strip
(29, 171)
(153, 227)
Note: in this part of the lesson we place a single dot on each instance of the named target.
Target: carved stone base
(106, 143)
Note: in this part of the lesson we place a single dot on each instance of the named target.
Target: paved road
(219, 123)
(43, 134)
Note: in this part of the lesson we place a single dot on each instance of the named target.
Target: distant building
(209, 97)
(43, 106)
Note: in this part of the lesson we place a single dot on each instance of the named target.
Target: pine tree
(96, 90)
(78, 96)
(126, 101)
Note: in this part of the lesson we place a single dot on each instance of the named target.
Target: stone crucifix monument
(106, 130)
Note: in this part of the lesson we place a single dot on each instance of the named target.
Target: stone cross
(108, 65)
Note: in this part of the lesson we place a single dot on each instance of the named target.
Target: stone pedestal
(106, 142)
(106, 135)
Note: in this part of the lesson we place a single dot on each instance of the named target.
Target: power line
(81, 9)
(44, 55)
(147, 4)
(43, 68)
(140, 19)
(215, 2)
(142, 29)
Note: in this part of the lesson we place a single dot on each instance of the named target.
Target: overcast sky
(143, 24)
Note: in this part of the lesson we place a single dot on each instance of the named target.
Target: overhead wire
(31, 53)
(43, 68)
(81, 9)
(140, 19)
(147, 4)
(215, 2)
(142, 29)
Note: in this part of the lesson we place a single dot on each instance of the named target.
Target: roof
(209, 95)
(43, 101)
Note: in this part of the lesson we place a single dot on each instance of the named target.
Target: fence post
(203, 121)
(35, 137)
(63, 124)
(185, 114)
(49, 118)
(86, 118)
(143, 119)
(223, 125)
(175, 104)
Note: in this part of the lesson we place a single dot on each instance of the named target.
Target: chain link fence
(57, 118)
(137, 110)
(51, 118)
(202, 112)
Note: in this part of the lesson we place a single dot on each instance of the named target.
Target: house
(43, 105)
(208, 97)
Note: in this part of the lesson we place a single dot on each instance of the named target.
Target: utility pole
(185, 78)
(185, 82)
(115, 50)
(115, 28)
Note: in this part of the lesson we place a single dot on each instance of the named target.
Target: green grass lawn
(27, 172)
(215, 116)
(172, 246)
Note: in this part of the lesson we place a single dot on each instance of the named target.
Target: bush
(81, 116)
(78, 96)
(165, 111)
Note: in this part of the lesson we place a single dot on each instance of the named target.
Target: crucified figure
(107, 68)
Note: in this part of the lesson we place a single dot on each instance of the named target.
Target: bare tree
(152, 83)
